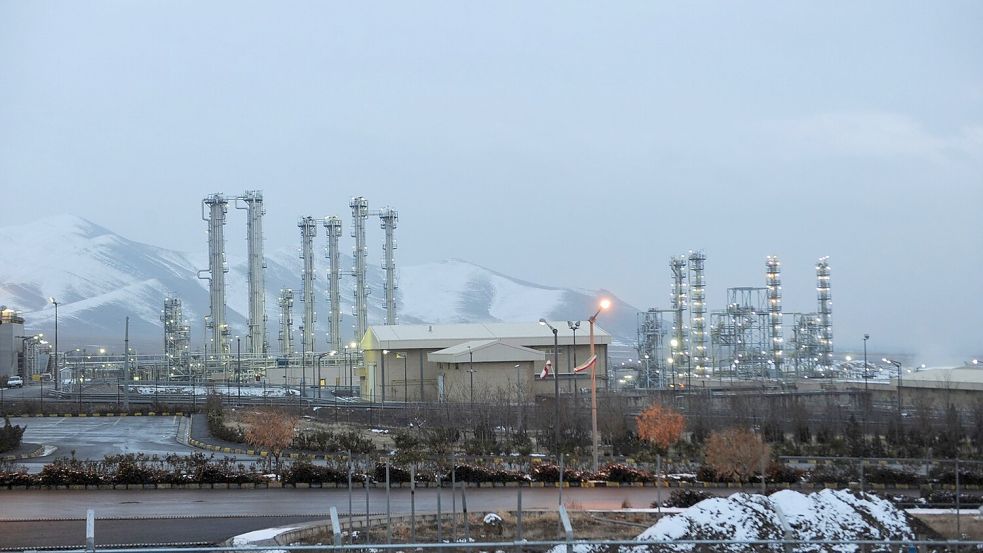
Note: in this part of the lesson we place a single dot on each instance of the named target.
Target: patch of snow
(492, 518)
(824, 516)
(258, 535)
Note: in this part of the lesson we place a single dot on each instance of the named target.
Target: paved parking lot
(94, 438)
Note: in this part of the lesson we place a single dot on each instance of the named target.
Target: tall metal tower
(286, 322)
(177, 338)
(651, 352)
(308, 230)
(256, 342)
(217, 267)
(360, 212)
(678, 305)
(773, 282)
(332, 228)
(697, 312)
(825, 313)
(389, 218)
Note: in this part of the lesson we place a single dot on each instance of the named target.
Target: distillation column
(286, 322)
(217, 267)
(177, 337)
(360, 212)
(825, 313)
(697, 312)
(332, 228)
(308, 230)
(773, 282)
(256, 339)
(678, 304)
(389, 218)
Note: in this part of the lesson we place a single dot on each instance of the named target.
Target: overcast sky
(573, 144)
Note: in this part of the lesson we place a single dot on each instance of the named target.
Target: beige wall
(491, 378)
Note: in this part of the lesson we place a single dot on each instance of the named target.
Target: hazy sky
(575, 144)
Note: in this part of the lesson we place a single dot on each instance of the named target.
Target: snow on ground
(821, 516)
(258, 535)
(220, 390)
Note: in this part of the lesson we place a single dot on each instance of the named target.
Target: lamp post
(556, 383)
(54, 370)
(471, 376)
(898, 365)
(866, 370)
(406, 382)
(518, 396)
(593, 380)
(303, 364)
(238, 370)
(385, 352)
(573, 326)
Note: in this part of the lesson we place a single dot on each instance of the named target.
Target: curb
(35, 453)
(96, 415)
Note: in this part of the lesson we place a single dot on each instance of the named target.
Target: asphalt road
(30, 519)
(94, 438)
(120, 532)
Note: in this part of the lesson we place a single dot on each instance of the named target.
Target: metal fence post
(464, 512)
(90, 530)
(351, 516)
(658, 483)
(518, 514)
(567, 528)
(413, 503)
(335, 526)
(389, 518)
(440, 533)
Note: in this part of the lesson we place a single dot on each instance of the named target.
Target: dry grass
(971, 526)
(535, 526)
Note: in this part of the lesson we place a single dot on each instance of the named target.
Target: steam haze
(570, 144)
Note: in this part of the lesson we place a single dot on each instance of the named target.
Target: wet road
(55, 518)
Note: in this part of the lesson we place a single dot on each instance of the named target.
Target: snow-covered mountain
(99, 278)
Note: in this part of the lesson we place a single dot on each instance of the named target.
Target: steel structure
(825, 312)
(678, 349)
(652, 330)
(332, 229)
(360, 212)
(389, 217)
(308, 230)
(177, 339)
(806, 348)
(286, 303)
(217, 267)
(739, 333)
(773, 282)
(697, 312)
(252, 202)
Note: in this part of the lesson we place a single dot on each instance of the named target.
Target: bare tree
(736, 453)
(270, 429)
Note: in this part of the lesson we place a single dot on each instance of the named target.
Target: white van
(15, 382)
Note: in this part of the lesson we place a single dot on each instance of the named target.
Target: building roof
(426, 336)
(485, 351)
(966, 377)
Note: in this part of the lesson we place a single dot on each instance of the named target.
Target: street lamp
(471, 375)
(898, 365)
(406, 382)
(55, 369)
(556, 383)
(238, 371)
(385, 352)
(866, 370)
(593, 379)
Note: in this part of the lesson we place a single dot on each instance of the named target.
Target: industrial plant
(252, 359)
(744, 340)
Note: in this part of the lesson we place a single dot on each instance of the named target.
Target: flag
(589, 364)
(546, 370)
